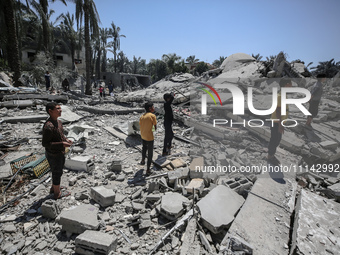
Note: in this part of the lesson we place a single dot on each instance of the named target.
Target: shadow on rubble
(275, 172)
(138, 179)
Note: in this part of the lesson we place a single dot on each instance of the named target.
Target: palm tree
(42, 9)
(138, 65)
(70, 35)
(330, 68)
(170, 60)
(88, 10)
(114, 32)
(104, 36)
(258, 57)
(192, 59)
(12, 49)
(218, 62)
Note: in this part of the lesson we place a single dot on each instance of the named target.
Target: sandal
(52, 191)
(63, 193)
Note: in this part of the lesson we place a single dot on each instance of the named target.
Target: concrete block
(177, 163)
(219, 208)
(195, 168)
(330, 145)
(95, 242)
(179, 173)
(103, 196)
(50, 209)
(189, 237)
(79, 219)
(172, 205)
(197, 184)
(116, 166)
(316, 220)
(80, 163)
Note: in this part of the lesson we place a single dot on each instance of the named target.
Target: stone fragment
(179, 173)
(38, 190)
(9, 228)
(196, 168)
(177, 163)
(197, 184)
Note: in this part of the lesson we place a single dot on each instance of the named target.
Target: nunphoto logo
(255, 102)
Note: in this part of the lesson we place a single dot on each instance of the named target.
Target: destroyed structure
(115, 209)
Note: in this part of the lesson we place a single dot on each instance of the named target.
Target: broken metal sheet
(78, 131)
(68, 115)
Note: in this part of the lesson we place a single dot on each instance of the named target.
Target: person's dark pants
(275, 138)
(56, 162)
(147, 147)
(169, 135)
(314, 107)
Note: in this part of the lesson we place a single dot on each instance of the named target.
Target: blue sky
(304, 29)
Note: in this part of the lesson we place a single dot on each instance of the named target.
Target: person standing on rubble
(47, 80)
(55, 143)
(276, 130)
(314, 101)
(147, 122)
(168, 118)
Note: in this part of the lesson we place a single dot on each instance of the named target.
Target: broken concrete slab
(330, 145)
(335, 191)
(189, 236)
(316, 225)
(111, 112)
(264, 220)
(172, 205)
(24, 119)
(195, 168)
(95, 242)
(79, 219)
(219, 207)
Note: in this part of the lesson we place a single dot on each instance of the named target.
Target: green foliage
(181, 67)
(157, 69)
(201, 68)
(258, 57)
(218, 62)
(330, 68)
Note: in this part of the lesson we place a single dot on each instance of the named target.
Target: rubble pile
(185, 206)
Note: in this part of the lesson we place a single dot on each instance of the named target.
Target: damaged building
(215, 193)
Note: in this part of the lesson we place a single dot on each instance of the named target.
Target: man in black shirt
(168, 118)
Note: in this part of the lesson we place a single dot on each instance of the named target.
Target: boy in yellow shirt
(147, 121)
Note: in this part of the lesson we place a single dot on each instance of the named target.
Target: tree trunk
(12, 43)
(88, 90)
(44, 6)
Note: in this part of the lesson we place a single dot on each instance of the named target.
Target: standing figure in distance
(147, 121)
(314, 101)
(47, 80)
(55, 143)
(168, 118)
(276, 130)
